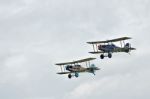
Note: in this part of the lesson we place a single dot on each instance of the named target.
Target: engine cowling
(99, 47)
(69, 67)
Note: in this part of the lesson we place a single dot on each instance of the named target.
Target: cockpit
(113, 45)
(77, 65)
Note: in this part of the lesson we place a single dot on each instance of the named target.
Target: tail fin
(128, 47)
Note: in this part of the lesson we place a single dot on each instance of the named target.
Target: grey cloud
(37, 34)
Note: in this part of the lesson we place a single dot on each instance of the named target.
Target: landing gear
(69, 76)
(76, 75)
(73, 75)
(109, 55)
(102, 56)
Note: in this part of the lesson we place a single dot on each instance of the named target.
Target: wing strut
(121, 44)
(64, 68)
(97, 47)
(89, 63)
(86, 64)
(61, 68)
(93, 47)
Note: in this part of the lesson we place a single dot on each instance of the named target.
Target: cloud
(128, 85)
(36, 34)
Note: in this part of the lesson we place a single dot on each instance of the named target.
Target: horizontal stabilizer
(132, 48)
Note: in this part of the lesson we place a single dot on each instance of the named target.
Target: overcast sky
(36, 34)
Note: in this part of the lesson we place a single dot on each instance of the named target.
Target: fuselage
(107, 48)
(113, 48)
(79, 68)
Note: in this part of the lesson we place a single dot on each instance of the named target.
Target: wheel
(69, 76)
(109, 55)
(102, 56)
(76, 75)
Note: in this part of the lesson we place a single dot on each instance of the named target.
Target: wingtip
(59, 73)
(130, 37)
(127, 37)
(91, 52)
(89, 42)
(56, 64)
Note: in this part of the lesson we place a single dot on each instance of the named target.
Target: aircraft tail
(128, 47)
(93, 68)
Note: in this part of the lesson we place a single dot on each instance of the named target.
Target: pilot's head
(78, 65)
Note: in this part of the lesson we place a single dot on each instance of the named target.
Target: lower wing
(64, 73)
(96, 52)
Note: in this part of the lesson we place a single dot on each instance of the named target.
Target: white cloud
(129, 85)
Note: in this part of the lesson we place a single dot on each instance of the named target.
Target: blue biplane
(102, 47)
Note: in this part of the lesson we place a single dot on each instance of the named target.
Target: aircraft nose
(99, 47)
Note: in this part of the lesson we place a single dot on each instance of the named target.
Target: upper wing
(84, 60)
(77, 61)
(66, 63)
(119, 39)
(107, 41)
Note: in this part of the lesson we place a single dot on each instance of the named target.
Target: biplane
(102, 47)
(74, 68)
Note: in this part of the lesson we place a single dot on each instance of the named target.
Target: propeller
(68, 67)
